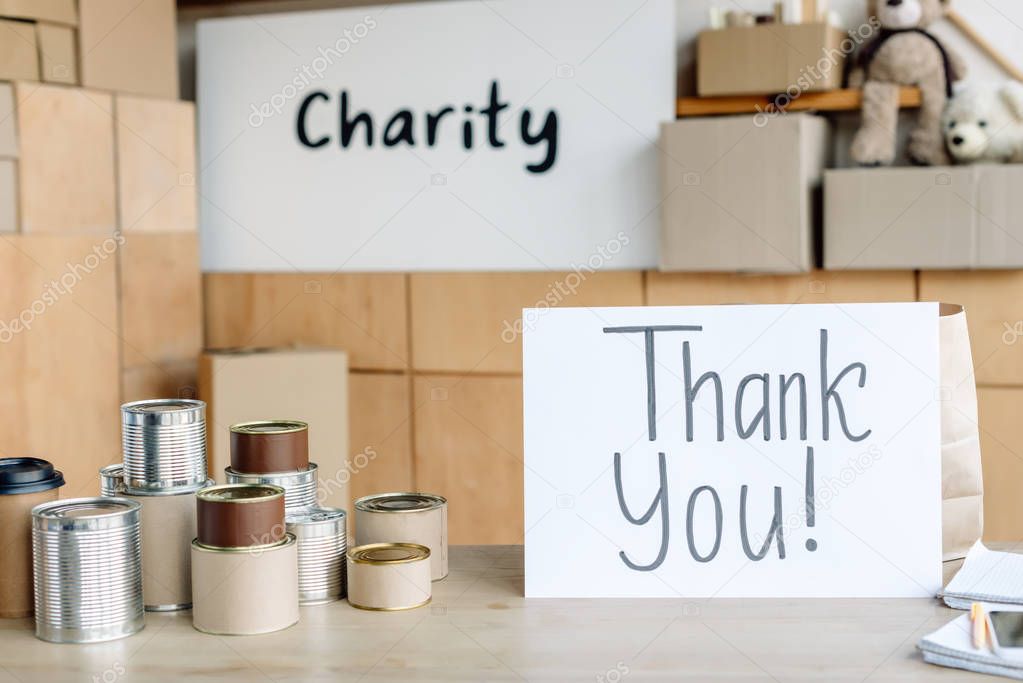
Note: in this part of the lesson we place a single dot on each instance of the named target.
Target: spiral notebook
(986, 576)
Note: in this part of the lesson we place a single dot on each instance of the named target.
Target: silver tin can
(299, 486)
(111, 480)
(322, 544)
(87, 563)
(164, 444)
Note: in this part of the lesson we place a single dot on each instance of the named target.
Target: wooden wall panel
(668, 289)
(174, 379)
(156, 164)
(472, 322)
(66, 139)
(1001, 439)
(161, 298)
(8, 118)
(468, 448)
(19, 53)
(380, 446)
(59, 375)
(363, 314)
(993, 313)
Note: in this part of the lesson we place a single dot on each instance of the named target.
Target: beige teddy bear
(984, 122)
(903, 53)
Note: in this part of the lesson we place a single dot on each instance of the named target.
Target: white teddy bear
(984, 122)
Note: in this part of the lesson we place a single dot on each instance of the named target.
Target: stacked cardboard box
(97, 203)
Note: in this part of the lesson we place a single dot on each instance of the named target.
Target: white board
(558, 197)
(875, 470)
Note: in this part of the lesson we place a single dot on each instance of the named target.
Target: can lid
(163, 411)
(270, 427)
(28, 475)
(240, 493)
(399, 502)
(316, 516)
(85, 508)
(388, 553)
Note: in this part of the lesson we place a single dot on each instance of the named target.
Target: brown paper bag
(962, 486)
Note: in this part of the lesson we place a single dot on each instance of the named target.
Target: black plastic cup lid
(28, 475)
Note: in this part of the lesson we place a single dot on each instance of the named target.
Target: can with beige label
(387, 577)
(420, 518)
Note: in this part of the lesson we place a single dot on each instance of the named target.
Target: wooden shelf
(833, 100)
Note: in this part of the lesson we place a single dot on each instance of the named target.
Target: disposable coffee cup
(24, 483)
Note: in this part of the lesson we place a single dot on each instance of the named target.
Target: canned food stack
(164, 448)
(402, 546)
(276, 453)
(88, 569)
(24, 484)
(244, 562)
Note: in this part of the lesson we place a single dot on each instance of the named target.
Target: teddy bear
(903, 53)
(984, 122)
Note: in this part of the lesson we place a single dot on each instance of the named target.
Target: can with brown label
(269, 446)
(240, 515)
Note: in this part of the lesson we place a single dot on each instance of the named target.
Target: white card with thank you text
(732, 451)
(497, 135)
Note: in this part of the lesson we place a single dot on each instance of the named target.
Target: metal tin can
(269, 446)
(322, 543)
(24, 484)
(164, 444)
(111, 480)
(87, 561)
(245, 591)
(389, 576)
(299, 486)
(240, 515)
(407, 518)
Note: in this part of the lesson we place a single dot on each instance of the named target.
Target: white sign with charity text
(498, 135)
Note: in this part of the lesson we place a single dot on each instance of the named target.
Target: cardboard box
(156, 164)
(472, 322)
(937, 217)
(8, 196)
(8, 132)
(468, 448)
(380, 415)
(1001, 433)
(59, 56)
(992, 302)
(129, 46)
(66, 169)
(286, 384)
(161, 297)
(59, 355)
(56, 11)
(366, 314)
(19, 53)
(817, 287)
(740, 192)
(767, 59)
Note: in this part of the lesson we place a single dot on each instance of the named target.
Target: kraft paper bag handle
(962, 486)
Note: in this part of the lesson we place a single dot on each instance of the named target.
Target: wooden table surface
(480, 628)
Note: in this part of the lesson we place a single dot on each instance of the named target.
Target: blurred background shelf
(847, 99)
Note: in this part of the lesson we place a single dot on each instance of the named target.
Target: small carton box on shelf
(740, 192)
(961, 217)
(770, 58)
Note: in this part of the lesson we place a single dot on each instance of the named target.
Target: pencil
(979, 621)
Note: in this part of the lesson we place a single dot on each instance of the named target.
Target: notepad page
(955, 640)
(986, 576)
